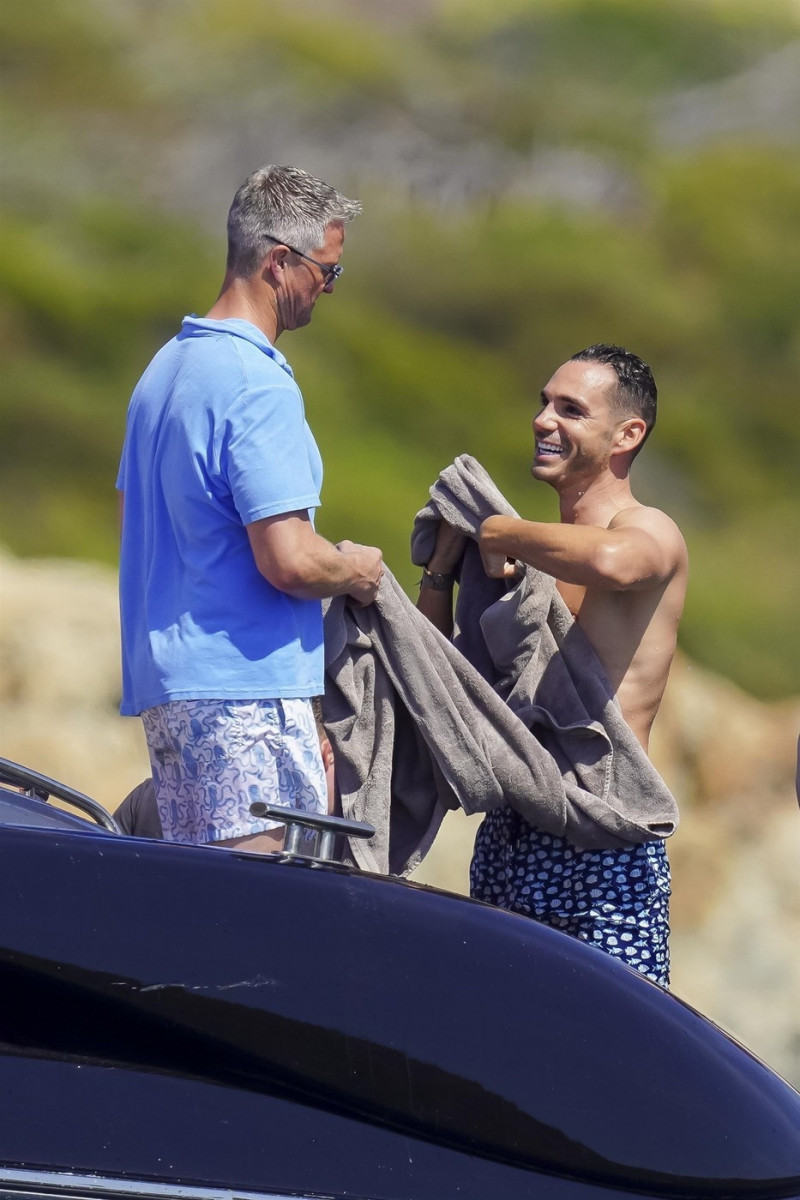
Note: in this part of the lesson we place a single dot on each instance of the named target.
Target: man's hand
(496, 564)
(367, 561)
(448, 551)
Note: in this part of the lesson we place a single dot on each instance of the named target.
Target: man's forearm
(297, 560)
(321, 570)
(437, 605)
(580, 554)
(435, 600)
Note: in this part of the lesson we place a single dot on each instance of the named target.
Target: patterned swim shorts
(615, 900)
(212, 758)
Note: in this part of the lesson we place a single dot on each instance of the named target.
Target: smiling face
(302, 282)
(578, 430)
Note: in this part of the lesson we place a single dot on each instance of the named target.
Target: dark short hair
(636, 392)
(284, 203)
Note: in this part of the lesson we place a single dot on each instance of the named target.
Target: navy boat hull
(176, 1019)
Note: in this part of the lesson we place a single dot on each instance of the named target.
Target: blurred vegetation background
(536, 176)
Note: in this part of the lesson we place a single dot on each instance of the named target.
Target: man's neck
(240, 298)
(596, 501)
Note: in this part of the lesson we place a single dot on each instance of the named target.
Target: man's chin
(544, 470)
(298, 320)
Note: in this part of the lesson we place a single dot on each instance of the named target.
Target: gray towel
(518, 712)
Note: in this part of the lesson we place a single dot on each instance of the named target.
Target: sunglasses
(330, 272)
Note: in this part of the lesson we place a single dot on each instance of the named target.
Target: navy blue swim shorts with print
(615, 900)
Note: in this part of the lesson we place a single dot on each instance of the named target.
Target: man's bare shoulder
(653, 521)
(654, 542)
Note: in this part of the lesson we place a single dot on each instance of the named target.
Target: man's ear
(327, 752)
(629, 435)
(273, 263)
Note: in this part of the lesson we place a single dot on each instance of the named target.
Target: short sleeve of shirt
(268, 455)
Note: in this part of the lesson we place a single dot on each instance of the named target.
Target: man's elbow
(294, 578)
(619, 570)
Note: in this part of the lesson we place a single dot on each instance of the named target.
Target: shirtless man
(621, 568)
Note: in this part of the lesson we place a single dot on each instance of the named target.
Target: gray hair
(287, 203)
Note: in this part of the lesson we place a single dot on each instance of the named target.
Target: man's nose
(544, 418)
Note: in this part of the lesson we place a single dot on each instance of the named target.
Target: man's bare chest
(614, 622)
(573, 595)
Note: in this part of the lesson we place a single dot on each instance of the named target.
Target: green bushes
(452, 313)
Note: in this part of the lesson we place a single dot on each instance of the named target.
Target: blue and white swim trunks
(211, 759)
(615, 900)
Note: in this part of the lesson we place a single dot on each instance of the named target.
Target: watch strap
(439, 581)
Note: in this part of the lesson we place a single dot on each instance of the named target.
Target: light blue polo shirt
(216, 438)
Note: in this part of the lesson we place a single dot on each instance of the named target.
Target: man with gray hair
(221, 571)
